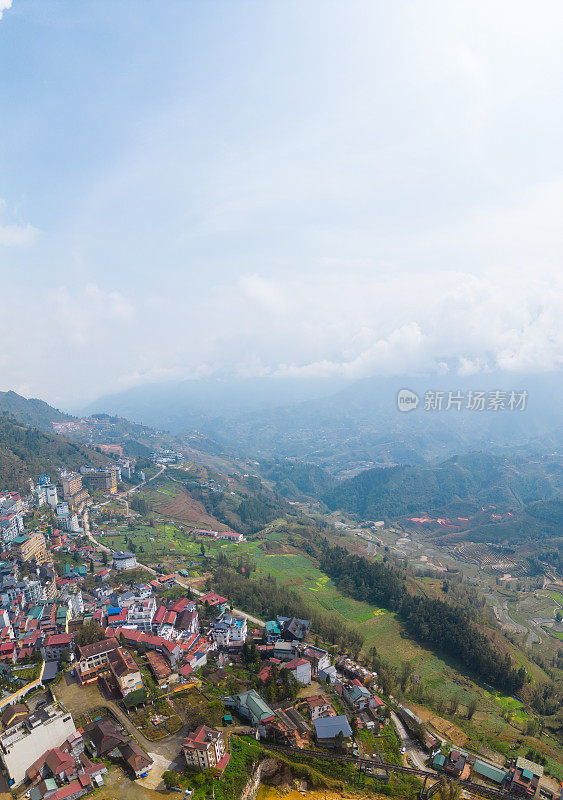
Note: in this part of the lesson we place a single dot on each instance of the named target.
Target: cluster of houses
(522, 779)
(42, 613)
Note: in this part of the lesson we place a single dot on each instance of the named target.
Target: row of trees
(448, 627)
(265, 598)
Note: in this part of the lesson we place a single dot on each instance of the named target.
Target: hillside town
(164, 658)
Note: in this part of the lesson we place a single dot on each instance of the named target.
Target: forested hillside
(32, 412)
(442, 625)
(26, 452)
(294, 478)
(476, 477)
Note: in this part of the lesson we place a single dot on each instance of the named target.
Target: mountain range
(352, 427)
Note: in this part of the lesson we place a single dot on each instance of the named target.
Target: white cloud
(4, 6)
(17, 235)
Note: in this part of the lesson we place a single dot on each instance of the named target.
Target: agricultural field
(170, 499)
(500, 719)
(164, 542)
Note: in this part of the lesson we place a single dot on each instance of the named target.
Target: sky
(198, 188)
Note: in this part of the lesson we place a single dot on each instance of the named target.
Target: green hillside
(26, 452)
(475, 477)
(34, 412)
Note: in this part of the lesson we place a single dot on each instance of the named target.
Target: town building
(93, 659)
(125, 671)
(104, 479)
(123, 560)
(328, 730)
(300, 668)
(31, 547)
(23, 742)
(318, 706)
(525, 778)
(51, 494)
(140, 614)
(205, 749)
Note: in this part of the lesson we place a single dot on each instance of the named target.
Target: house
(272, 631)
(320, 659)
(13, 717)
(294, 629)
(289, 728)
(456, 764)
(227, 630)
(123, 560)
(328, 730)
(490, 772)
(125, 671)
(215, 600)
(205, 749)
(300, 668)
(250, 706)
(158, 666)
(327, 674)
(104, 738)
(525, 778)
(318, 706)
(187, 619)
(284, 651)
(135, 758)
(53, 646)
(357, 695)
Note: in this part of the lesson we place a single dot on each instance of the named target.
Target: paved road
(416, 753)
(181, 581)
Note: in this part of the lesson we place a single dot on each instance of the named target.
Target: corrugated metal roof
(489, 771)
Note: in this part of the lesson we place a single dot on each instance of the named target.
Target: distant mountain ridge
(32, 411)
(351, 427)
(476, 478)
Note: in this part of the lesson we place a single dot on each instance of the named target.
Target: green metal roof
(489, 771)
(439, 760)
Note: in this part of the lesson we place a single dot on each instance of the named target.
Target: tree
(471, 707)
(171, 779)
(104, 558)
(89, 633)
(406, 672)
(454, 703)
(65, 656)
(449, 790)
(202, 549)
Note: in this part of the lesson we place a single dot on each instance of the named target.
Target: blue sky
(283, 188)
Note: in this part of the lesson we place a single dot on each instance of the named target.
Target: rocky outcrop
(274, 773)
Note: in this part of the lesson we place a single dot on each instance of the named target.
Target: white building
(27, 738)
(40, 496)
(140, 614)
(229, 630)
(69, 523)
(204, 748)
(11, 525)
(33, 592)
(124, 560)
(51, 495)
(74, 601)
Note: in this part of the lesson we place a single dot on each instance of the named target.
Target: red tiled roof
(58, 639)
